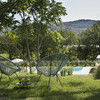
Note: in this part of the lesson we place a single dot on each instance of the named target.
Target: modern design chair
(7, 67)
(51, 65)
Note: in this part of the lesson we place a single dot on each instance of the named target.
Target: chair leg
(49, 82)
(9, 77)
(1, 77)
(18, 77)
(38, 79)
(59, 80)
(56, 78)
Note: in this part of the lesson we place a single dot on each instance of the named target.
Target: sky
(81, 9)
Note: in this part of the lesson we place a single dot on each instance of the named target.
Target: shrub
(67, 71)
(97, 73)
(81, 63)
(63, 71)
(92, 70)
(70, 70)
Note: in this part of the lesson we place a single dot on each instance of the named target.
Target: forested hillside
(76, 26)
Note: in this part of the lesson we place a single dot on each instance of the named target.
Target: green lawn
(74, 88)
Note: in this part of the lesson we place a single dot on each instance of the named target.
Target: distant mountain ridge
(76, 26)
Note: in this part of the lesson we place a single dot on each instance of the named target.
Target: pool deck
(84, 71)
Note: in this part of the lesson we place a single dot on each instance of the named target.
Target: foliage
(66, 71)
(33, 63)
(72, 53)
(82, 63)
(8, 43)
(71, 38)
(32, 34)
(52, 41)
(70, 70)
(63, 71)
(6, 18)
(45, 13)
(91, 40)
(97, 73)
(92, 71)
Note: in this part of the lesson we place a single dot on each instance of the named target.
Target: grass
(74, 88)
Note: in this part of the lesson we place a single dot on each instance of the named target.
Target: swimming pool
(77, 69)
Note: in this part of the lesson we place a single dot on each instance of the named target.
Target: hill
(76, 26)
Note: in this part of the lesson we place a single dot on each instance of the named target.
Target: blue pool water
(77, 69)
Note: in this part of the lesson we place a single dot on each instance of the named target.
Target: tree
(96, 33)
(45, 13)
(40, 14)
(12, 7)
(91, 40)
(53, 43)
(5, 17)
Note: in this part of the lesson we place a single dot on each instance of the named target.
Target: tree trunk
(29, 57)
(38, 47)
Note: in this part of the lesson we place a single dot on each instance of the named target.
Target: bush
(70, 70)
(81, 63)
(67, 71)
(63, 71)
(97, 73)
(92, 70)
